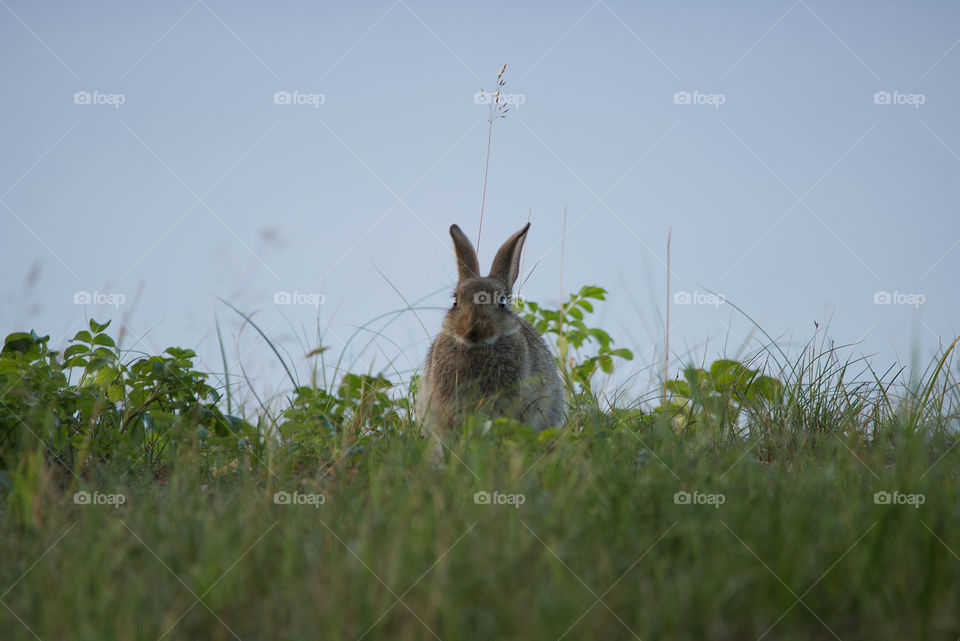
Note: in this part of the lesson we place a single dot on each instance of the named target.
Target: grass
(825, 509)
(599, 548)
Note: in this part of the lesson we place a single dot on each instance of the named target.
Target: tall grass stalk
(498, 109)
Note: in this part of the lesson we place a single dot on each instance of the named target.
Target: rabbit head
(482, 312)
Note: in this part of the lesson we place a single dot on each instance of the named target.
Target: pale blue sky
(799, 198)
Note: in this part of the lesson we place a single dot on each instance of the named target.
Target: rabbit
(486, 359)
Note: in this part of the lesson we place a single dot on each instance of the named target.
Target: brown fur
(486, 359)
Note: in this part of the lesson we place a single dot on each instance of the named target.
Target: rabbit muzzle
(476, 331)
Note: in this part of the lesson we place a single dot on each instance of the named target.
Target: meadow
(782, 496)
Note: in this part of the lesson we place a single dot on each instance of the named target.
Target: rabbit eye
(502, 301)
(454, 301)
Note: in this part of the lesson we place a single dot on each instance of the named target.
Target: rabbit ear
(506, 264)
(467, 265)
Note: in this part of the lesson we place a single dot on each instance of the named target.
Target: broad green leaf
(767, 388)
(729, 374)
(679, 388)
(696, 377)
(97, 363)
(592, 291)
(606, 364)
(103, 352)
(104, 339)
(17, 336)
(83, 336)
(106, 375)
(18, 342)
(74, 350)
(181, 353)
(76, 361)
(720, 367)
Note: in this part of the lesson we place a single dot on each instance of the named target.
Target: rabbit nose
(478, 332)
